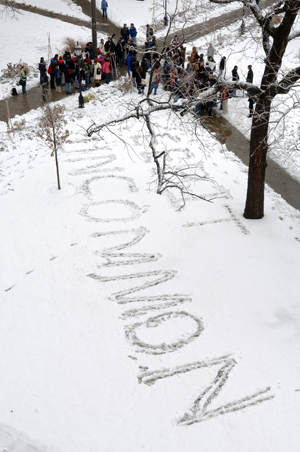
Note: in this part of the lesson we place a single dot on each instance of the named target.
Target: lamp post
(77, 50)
(166, 15)
(94, 27)
(78, 53)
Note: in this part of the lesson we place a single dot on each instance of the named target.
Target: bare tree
(275, 36)
(10, 9)
(51, 131)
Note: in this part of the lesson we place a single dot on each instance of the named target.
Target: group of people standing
(200, 73)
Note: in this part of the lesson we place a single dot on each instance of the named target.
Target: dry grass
(125, 84)
(69, 43)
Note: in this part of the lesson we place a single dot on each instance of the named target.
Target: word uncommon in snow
(115, 256)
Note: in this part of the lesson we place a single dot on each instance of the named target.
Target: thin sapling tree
(51, 131)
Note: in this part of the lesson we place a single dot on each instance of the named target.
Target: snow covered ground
(126, 324)
(59, 6)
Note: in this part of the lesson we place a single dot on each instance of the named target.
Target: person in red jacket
(155, 80)
(106, 70)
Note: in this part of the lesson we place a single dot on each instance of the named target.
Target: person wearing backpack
(97, 73)
(104, 6)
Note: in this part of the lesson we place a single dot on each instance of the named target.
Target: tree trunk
(56, 158)
(57, 170)
(254, 208)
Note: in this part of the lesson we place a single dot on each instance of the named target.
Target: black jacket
(249, 78)
(235, 75)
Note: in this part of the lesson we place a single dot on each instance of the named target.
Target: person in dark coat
(42, 69)
(82, 81)
(249, 78)
(119, 53)
(251, 100)
(140, 80)
(109, 45)
(221, 67)
(209, 83)
(125, 33)
(134, 64)
(144, 64)
(235, 77)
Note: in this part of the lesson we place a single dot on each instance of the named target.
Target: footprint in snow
(6, 290)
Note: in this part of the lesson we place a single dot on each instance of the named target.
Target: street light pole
(166, 15)
(94, 27)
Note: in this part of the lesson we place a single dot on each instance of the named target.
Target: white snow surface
(59, 6)
(130, 325)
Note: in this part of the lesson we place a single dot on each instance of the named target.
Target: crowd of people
(184, 79)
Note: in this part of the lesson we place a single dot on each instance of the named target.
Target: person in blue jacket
(128, 64)
(104, 6)
(133, 32)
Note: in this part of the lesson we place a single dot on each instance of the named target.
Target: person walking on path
(104, 6)
(23, 78)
